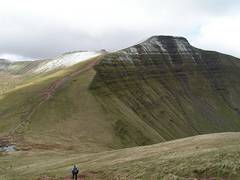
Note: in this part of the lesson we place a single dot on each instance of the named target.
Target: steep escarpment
(155, 91)
(85, 114)
(164, 89)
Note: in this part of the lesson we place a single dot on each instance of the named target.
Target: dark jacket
(75, 170)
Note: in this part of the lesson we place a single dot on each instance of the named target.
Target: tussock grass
(209, 156)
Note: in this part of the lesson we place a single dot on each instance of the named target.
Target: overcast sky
(47, 28)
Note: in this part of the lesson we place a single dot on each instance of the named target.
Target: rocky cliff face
(164, 88)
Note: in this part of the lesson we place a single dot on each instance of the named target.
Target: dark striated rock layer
(164, 89)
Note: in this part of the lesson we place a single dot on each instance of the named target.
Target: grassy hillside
(13, 74)
(172, 88)
(159, 90)
(213, 156)
(156, 91)
(56, 109)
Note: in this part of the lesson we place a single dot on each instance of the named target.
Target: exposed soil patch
(4, 141)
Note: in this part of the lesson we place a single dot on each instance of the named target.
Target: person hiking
(75, 172)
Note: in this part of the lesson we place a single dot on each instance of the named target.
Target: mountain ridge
(158, 90)
(162, 89)
(161, 69)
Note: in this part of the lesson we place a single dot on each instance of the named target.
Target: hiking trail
(48, 93)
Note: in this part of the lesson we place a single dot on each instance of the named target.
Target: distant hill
(18, 72)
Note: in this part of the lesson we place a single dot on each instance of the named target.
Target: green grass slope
(156, 91)
(172, 88)
(57, 110)
(213, 156)
(159, 90)
(13, 74)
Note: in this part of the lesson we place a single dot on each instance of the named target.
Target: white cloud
(221, 34)
(47, 28)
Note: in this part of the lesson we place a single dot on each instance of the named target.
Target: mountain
(44, 65)
(18, 72)
(170, 88)
(68, 59)
(79, 103)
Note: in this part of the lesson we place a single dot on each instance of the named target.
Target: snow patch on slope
(67, 59)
